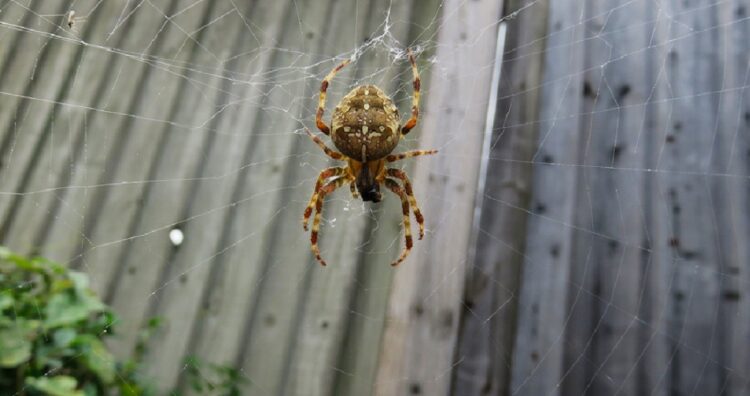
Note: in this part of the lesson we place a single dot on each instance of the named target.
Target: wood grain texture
(488, 320)
(692, 224)
(358, 359)
(417, 349)
(538, 357)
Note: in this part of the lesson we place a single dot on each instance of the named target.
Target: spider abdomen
(365, 125)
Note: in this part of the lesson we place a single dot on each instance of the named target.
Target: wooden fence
(596, 242)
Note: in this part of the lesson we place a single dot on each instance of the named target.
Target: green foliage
(213, 379)
(52, 332)
(52, 328)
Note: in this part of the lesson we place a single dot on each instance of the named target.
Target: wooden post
(488, 323)
(417, 349)
(538, 356)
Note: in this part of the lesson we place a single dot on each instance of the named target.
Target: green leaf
(80, 280)
(68, 309)
(64, 336)
(15, 347)
(61, 385)
(6, 301)
(97, 358)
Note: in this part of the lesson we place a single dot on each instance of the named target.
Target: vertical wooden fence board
(324, 311)
(286, 282)
(21, 48)
(618, 198)
(584, 319)
(187, 273)
(538, 357)
(145, 254)
(29, 122)
(655, 367)
(693, 74)
(489, 319)
(731, 198)
(106, 135)
(50, 132)
(358, 358)
(111, 215)
(735, 149)
(92, 143)
(93, 153)
(13, 15)
(246, 254)
(288, 289)
(418, 344)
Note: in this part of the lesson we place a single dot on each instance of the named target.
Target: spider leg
(398, 173)
(331, 153)
(408, 154)
(323, 176)
(393, 186)
(412, 122)
(322, 99)
(353, 189)
(325, 190)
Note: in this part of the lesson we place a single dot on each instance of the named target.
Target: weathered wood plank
(97, 148)
(656, 365)
(146, 253)
(488, 320)
(538, 357)
(22, 48)
(688, 202)
(358, 358)
(12, 14)
(62, 155)
(284, 289)
(734, 140)
(26, 122)
(616, 130)
(325, 310)
(417, 348)
(187, 274)
(141, 141)
(246, 321)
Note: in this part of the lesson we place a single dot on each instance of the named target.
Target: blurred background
(588, 220)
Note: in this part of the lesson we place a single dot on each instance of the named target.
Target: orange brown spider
(366, 128)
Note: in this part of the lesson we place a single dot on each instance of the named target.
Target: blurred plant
(52, 331)
(213, 379)
(52, 328)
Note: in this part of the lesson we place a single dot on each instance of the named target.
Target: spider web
(160, 147)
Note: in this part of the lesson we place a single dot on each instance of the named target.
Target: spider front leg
(353, 189)
(331, 153)
(412, 122)
(323, 176)
(408, 154)
(398, 173)
(322, 99)
(325, 190)
(393, 186)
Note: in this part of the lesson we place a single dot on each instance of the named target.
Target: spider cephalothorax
(365, 127)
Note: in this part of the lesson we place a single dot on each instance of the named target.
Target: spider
(365, 127)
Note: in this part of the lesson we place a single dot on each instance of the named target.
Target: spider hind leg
(401, 175)
(393, 186)
(325, 190)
